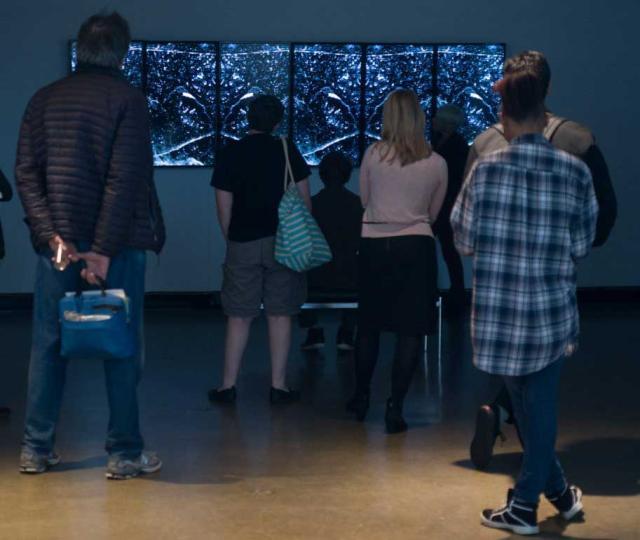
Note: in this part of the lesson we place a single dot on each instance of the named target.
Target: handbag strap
(288, 172)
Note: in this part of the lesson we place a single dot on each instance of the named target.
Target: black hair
(265, 113)
(103, 40)
(533, 62)
(335, 169)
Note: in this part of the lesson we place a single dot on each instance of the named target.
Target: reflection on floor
(308, 470)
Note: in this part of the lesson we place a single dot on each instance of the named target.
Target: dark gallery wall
(588, 42)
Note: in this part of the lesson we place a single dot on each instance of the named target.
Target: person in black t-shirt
(338, 212)
(454, 149)
(249, 184)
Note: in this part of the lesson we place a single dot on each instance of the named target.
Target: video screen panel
(180, 82)
(132, 67)
(181, 91)
(394, 66)
(246, 70)
(466, 74)
(327, 100)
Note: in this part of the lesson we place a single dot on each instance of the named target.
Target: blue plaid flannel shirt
(526, 213)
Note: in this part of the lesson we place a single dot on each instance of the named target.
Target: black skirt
(397, 290)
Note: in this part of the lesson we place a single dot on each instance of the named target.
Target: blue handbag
(97, 324)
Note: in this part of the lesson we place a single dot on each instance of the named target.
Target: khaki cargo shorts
(251, 277)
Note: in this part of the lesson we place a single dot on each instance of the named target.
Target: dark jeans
(535, 400)
(47, 369)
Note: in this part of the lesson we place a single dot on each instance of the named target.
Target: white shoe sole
(32, 470)
(577, 508)
(518, 529)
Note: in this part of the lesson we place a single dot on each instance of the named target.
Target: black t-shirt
(253, 170)
(338, 212)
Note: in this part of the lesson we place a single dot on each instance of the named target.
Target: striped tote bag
(300, 244)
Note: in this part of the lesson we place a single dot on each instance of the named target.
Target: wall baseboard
(211, 300)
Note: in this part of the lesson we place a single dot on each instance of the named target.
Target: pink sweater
(401, 201)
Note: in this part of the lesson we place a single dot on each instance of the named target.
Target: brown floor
(309, 471)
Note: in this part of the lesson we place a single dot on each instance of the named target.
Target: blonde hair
(403, 125)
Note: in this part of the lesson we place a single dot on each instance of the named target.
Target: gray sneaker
(33, 463)
(123, 469)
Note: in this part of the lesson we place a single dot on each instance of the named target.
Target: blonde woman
(402, 186)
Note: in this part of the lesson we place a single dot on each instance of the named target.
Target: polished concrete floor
(308, 470)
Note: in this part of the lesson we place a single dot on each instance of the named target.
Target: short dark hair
(103, 40)
(335, 169)
(531, 62)
(522, 95)
(265, 112)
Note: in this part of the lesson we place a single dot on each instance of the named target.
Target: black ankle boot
(393, 418)
(359, 404)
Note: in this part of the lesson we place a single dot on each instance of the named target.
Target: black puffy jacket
(84, 168)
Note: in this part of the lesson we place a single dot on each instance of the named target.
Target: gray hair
(103, 40)
(451, 115)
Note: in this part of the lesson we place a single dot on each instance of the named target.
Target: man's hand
(97, 266)
(68, 253)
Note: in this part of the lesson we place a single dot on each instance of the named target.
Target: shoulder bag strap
(288, 173)
(552, 126)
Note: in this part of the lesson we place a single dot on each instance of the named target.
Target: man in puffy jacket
(84, 172)
(578, 141)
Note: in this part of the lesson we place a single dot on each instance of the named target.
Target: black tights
(405, 361)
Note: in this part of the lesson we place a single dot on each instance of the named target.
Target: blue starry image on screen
(247, 70)
(466, 74)
(327, 86)
(181, 91)
(394, 66)
(132, 66)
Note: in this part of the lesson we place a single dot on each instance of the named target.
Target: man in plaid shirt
(526, 214)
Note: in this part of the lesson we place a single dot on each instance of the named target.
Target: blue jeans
(535, 400)
(47, 369)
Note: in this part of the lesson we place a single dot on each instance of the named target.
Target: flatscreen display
(466, 74)
(181, 91)
(132, 67)
(393, 66)
(198, 92)
(246, 70)
(327, 100)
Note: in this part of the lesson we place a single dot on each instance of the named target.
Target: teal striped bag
(300, 244)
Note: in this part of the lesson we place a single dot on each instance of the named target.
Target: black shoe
(314, 341)
(569, 503)
(517, 517)
(281, 397)
(393, 418)
(484, 439)
(344, 340)
(222, 396)
(359, 404)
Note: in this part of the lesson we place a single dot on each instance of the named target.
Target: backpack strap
(288, 172)
(552, 127)
(499, 128)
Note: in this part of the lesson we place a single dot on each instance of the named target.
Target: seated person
(338, 212)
